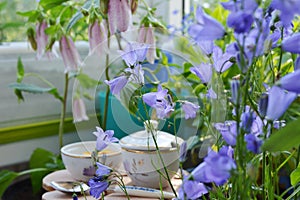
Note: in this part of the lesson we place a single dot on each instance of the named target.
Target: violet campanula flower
(134, 53)
(228, 130)
(191, 190)
(206, 28)
(297, 64)
(69, 54)
(117, 84)
(235, 87)
(237, 5)
(161, 101)
(247, 119)
(203, 71)
(119, 15)
(292, 44)
(288, 9)
(221, 60)
(278, 102)
(291, 82)
(104, 138)
(97, 34)
(240, 21)
(41, 38)
(102, 170)
(79, 111)
(146, 35)
(97, 186)
(263, 104)
(136, 74)
(190, 109)
(206, 46)
(183, 152)
(253, 143)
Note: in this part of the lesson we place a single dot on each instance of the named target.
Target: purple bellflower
(291, 82)
(97, 35)
(288, 9)
(189, 109)
(206, 28)
(297, 64)
(240, 21)
(211, 94)
(203, 71)
(206, 46)
(161, 101)
(69, 54)
(235, 86)
(97, 186)
(117, 84)
(134, 53)
(191, 190)
(292, 43)
(278, 102)
(102, 170)
(183, 152)
(104, 138)
(119, 15)
(79, 111)
(146, 35)
(253, 143)
(41, 39)
(221, 60)
(228, 131)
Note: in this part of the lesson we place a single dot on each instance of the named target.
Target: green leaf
(87, 5)
(35, 89)
(284, 139)
(48, 4)
(74, 19)
(86, 81)
(295, 176)
(52, 30)
(20, 70)
(32, 15)
(6, 177)
(39, 159)
(2, 5)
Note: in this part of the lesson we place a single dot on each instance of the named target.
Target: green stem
(63, 111)
(107, 87)
(29, 171)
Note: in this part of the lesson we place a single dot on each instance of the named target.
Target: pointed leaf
(6, 177)
(295, 176)
(86, 81)
(74, 19)
(285, 138)
(20, 70)
(48, 4)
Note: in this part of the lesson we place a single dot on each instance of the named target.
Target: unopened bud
(31, 38)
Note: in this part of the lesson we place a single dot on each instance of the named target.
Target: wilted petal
(79, 111)
(190, 109)
(278, 102)
(117, 84)
(291, 82)
(203, 71)
(292, 44)
(69, 54)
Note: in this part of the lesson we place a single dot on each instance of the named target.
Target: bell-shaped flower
(240, 21)
(253, 143)
(117, 84)
(235, 87)
(206, 46)
(152, 98)
(69, 54)
(191, 189)
(97, 186)
(292, 44)
(102, 170)
(41, 38)
(146, 35)
(278, 102)
(119, 15)
(79, 111)
(97, 34)
(291, 82)
(228, 130)
(190, 109)
(203, 71)
(263, 104)
(206, 28)
(297, 64)
(104, 138)
(288, 9)
(134, 53)
(183, 152)
(222, 61)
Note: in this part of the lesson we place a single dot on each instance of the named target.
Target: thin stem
(107, 78)
(32, 171)
(63, 111)
(39, 77)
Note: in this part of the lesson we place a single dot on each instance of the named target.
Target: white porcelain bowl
(77, 156)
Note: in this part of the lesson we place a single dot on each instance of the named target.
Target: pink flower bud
(97, 35)
(119, 15)
(41, 38)
(69, 54)
(79, 112)
(146, 35)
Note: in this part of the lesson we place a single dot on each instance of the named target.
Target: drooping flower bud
(263, 104)
(31, 38)
(97, 34)
(69, 54)
(79, 111)
(235, 85)
(146, 35)
(119, 15)
(41, 38)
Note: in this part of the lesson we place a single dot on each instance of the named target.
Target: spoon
(70, 186)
